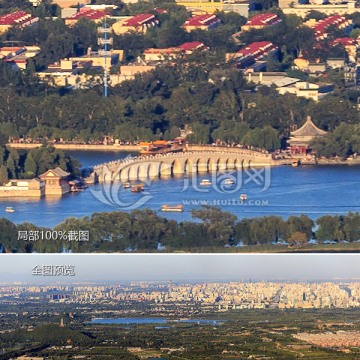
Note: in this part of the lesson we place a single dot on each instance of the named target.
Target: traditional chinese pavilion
(56, 181)
(300, 138)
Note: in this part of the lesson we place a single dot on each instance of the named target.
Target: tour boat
(126, 185)
(229, 181)
(137, 188)
(160, 147)
(205, 182)
(243, 197)
(9, 209)
(172, 208)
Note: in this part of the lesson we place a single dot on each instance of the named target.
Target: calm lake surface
(149, 320)
(282, 191)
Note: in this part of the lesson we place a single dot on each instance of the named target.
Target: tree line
(145, 230)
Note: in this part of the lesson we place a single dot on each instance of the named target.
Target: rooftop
(17, 18)
(89, 14)
(194, 45)
(308, 129)
(141, 19)
(263, 20)
(57, 171)
(256, 48)
(336, 20)
(201, 20)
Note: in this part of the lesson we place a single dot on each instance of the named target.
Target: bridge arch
(221, 163)
(142, 172)
(189, 166)
(177, 167)
(107, 175)
(230, 164)
(212, 165)
(133, 172)
(202, 165)
(164, 169)
(153, 170)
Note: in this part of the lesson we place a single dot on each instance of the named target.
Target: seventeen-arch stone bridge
(198, 160)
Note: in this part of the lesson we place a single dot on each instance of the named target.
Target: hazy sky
(114, 268)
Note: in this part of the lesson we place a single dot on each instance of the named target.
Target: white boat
(205, 182)
(229, 181)
(243, 197)
(126, 185)
(9, 209)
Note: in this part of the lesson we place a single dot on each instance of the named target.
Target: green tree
(30, 166)
(4, 175)
(329, 228)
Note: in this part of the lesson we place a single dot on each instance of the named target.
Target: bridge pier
(212, 165)
(164, 170)
(202, 166)
(221, 164)
(153, 171)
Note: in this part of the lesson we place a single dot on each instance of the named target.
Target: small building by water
(23, 188)
(56, 182)
(300, 139)
(53, 182)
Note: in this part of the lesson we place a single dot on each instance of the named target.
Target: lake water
(149, 320)
(282, 191)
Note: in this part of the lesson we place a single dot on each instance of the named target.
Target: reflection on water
(314, 191)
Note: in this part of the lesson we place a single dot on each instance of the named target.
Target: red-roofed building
(340, 22)
(351, 46)
(18, 18)
(138, 23)
(254, 52)
(261, 21)
(201, 22)
(190, 47)
(160, 10)
(90, 14)
(258, 50)
(174, 52)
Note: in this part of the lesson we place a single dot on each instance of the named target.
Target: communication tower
(105, 42)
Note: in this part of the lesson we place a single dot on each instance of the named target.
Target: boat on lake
(126, 185)
(243, 197)
(137, 188)
(205, 182)
(9, 209)
(172, 208)
(229, 181)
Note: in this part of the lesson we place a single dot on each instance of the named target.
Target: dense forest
(201, 91)
(144, 230)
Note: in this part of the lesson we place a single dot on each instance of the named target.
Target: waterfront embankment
(98, 147)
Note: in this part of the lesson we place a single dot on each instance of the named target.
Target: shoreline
(78, 147)
(137, 148)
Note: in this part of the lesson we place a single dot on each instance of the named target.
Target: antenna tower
(105, 41)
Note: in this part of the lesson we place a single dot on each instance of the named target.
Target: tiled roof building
(261, 21)
(340, 22)
(17, 18)
(138, 23)
(177, 51)
(201, 22)
(93, 15)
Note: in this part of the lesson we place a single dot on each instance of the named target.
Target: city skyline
(179, 267)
